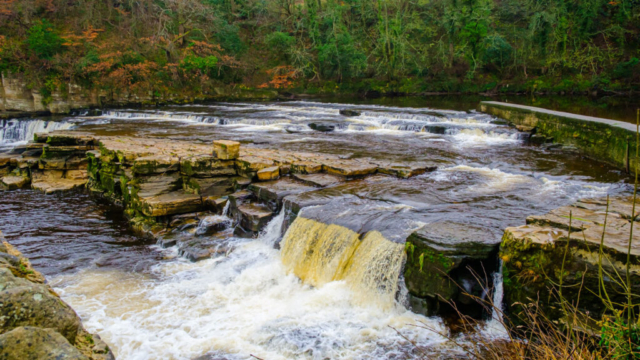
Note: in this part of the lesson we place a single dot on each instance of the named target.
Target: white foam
(496, 179)
(17, 132)
(243, 304)
(476, 137)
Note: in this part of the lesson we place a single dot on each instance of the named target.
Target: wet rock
(393, 221)
(240, 197)
(248, 165)
(270, 173)
(53, 181)
(226, 150)
(254, 217)
(349, 168)
(405, 170)
(322, 127)
(538, 139)
(305, 167)
(319, 180)
(242, 182)
(215, 203)
(37, 343)
(176, 202)
(436, 252)
(533, 256)
(211, 224)
(273, 192)
(13, 182)
(33, 305)
(435, 129)
(348, 112)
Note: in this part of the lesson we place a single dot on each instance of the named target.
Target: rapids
(323, 290)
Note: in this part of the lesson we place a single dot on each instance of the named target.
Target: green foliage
(204, 64)
(43, 40)
(280, 42)
(625, 69)
(419, 46)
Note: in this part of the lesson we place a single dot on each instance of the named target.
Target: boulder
(438, 256)
(23, 303)
(13, 182)
(322, 127)
(254, 217)
(348, 112)
(226, 150)
(33, 343)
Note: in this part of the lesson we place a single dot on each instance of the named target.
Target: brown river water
(150, 303)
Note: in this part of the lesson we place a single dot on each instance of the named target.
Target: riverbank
(35, 323)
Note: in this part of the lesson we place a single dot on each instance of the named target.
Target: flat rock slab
(319, 180)
(457, 239)
(59, 185)
(275, 191)
(587, 219)
(176, 202)
(349, 168)
(405, 170)
(395, 222)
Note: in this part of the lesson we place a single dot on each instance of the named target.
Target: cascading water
(494, 328)
(247, 303)
(16, 131)
(319, 253)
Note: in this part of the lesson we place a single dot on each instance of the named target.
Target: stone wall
(604, 140)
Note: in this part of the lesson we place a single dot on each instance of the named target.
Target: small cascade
(319, 253)
(498, 294)
(272, 232)
(18, 131)
(212, 223)
(225, 210)
(494, 328)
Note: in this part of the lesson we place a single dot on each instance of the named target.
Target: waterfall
(319, 253)
(225, 210)
(498, 294)
(272, 231)
(494, 328)
(13, 132)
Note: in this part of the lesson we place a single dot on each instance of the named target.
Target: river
(149, 303)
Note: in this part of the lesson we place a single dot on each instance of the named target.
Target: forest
(324, 46)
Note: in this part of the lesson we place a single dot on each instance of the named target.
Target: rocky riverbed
(354, 223)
